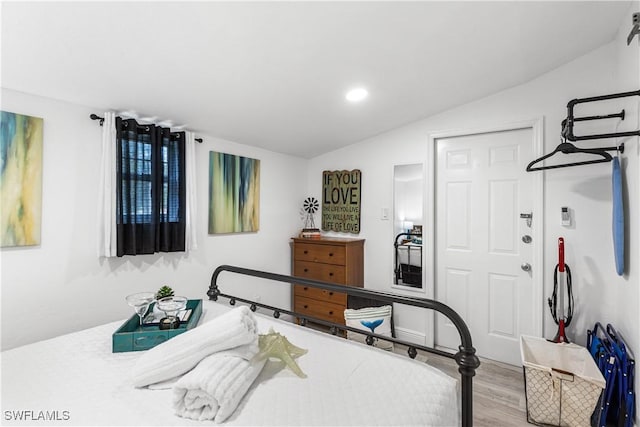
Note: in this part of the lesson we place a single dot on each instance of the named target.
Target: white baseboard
(411, 336)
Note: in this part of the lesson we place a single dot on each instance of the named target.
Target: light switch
(384, 214)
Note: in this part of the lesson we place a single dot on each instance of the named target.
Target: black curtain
(150, 189)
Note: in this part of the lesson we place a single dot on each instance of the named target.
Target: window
(150, 189)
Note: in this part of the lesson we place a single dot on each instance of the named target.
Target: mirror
(408, 218)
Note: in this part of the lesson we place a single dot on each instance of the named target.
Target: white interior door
(481, 254)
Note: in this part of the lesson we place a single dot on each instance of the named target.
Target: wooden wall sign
(341, 201)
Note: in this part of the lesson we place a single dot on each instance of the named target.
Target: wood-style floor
(498, 391)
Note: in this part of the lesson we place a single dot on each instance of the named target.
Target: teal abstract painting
(234, 193)
(20, 179)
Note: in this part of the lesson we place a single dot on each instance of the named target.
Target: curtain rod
(96, 117)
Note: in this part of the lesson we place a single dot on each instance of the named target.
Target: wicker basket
(562, 383)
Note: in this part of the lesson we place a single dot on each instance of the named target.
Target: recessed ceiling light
(357, 94)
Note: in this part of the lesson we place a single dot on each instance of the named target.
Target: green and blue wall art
(234, 193)
(20, 179)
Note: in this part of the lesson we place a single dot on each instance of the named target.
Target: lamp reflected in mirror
(408, 217)
(407, 226)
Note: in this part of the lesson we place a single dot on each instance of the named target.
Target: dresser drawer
(323, 272)
(320, 309)
(329, 254)
(320, 294)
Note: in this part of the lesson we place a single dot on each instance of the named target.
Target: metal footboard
(465, 357)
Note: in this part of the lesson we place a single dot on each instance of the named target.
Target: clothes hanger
(568, 148)
(567, 133)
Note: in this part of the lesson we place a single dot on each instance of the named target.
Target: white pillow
(370, 319)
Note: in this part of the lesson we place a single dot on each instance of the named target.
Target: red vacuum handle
(561, 254)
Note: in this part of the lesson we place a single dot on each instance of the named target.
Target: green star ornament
(278, 346)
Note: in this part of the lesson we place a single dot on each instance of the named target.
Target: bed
(408, 259)
(75, 379)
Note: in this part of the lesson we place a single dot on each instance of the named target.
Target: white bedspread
(79, 378)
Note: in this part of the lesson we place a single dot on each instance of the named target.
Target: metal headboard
(465, 357)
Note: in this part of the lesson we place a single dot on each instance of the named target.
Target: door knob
(526, 266)
(526, 238)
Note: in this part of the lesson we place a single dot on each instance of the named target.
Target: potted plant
(164, 291)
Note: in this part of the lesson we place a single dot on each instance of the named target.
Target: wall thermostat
(565, 216)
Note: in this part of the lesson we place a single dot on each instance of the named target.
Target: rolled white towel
(246, 352)
(214, 388)
(181, 353)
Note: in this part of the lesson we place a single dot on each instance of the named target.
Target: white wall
(62, 286)
(625, 303)
(600, 294)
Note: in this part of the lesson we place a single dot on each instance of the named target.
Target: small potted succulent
(164, 291)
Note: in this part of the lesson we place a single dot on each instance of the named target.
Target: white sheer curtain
(107, 190)
(190, 241)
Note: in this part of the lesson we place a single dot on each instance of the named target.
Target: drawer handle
(306, 270)
(331, 312)
(306, 288)
(306, 306)
(330, 274)
(330, 253)
(330, 293)
(305, 252)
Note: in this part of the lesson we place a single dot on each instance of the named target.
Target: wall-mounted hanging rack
(601, 153)
(568, 148)
(568, 123)
(96, 117)
(635, 21)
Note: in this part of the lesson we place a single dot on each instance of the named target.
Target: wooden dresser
(334, 260)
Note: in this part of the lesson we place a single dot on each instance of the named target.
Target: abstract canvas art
(20, 179)
(234, 193)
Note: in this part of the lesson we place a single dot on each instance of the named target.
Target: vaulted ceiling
(274, 74)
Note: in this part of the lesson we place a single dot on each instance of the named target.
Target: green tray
(133, 337)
